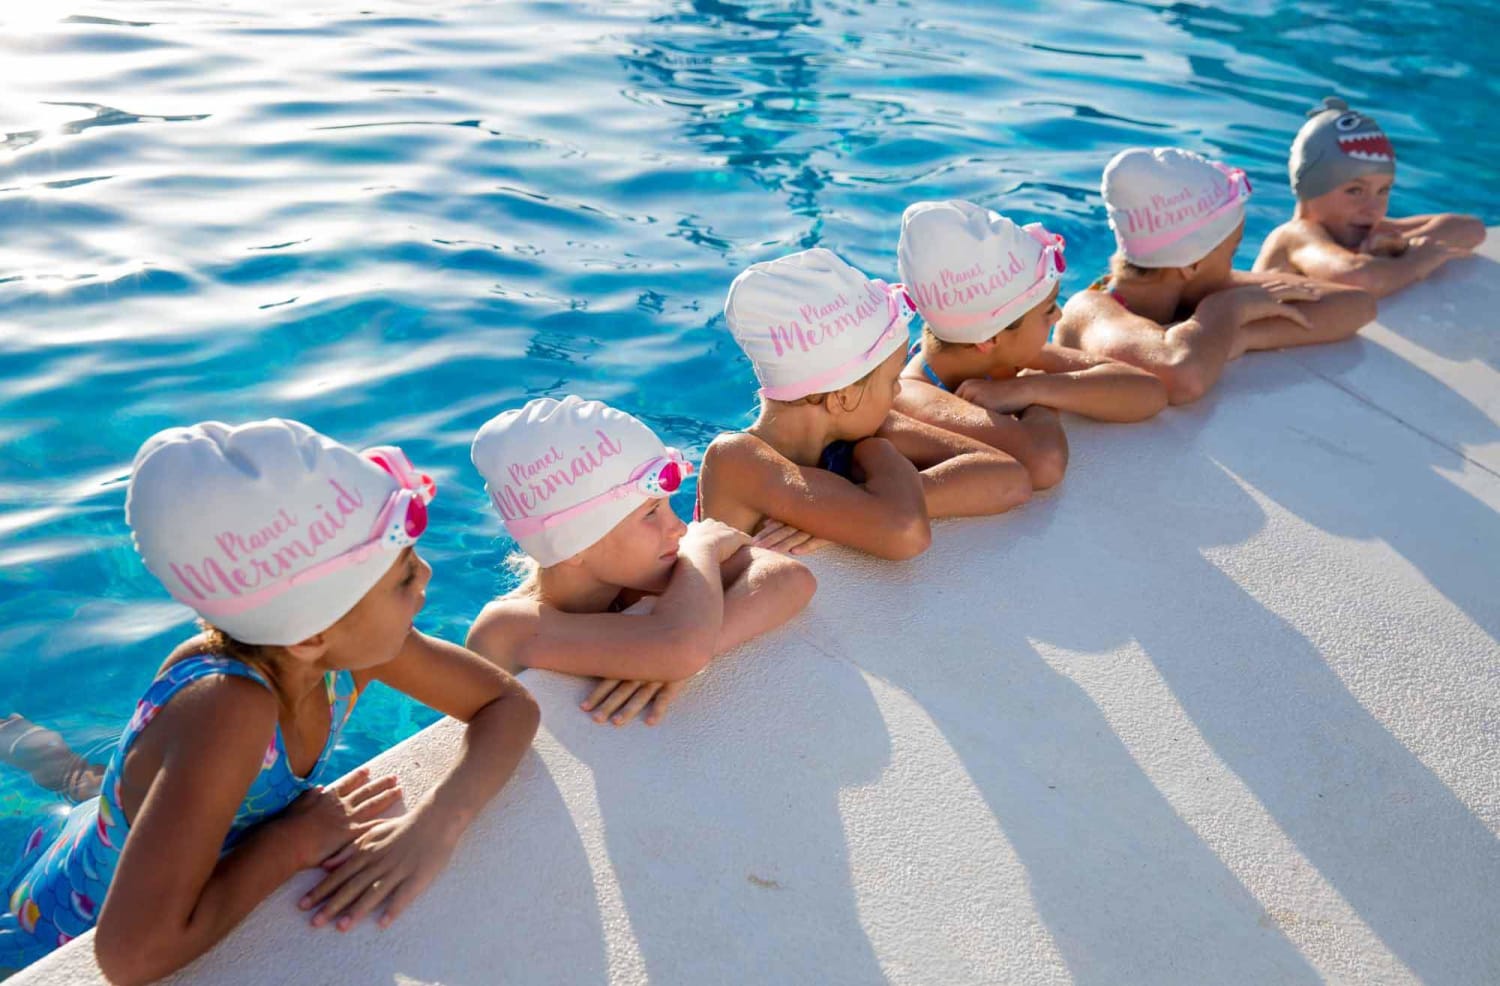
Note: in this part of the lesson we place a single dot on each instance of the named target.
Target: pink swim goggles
(655, 479)
(400, 523)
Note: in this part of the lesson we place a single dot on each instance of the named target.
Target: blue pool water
(392, 220)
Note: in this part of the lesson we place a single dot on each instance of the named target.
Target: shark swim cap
(1337, 145)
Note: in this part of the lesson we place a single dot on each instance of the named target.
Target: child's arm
(1187, 357)
(762, 590)
(674, 641)
(1464, 232)
(1332, 312)
(1071, 380)
(394, 860)
(173, 896)
(886, 515)
(1035, 438)
(1316, 255)
(961, 476)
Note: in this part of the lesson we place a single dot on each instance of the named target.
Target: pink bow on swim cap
(1171, 208)
(972, 272)
(811, 323)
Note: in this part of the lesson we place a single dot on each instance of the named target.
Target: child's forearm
(691, 610)
(1339, 314)
(1466, 232)
(769, 589)
(975, 484)
(243, 878)
(495, 739)
(1109, 392)
(1199, 348)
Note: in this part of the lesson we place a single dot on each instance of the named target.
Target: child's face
(1219, 264)
(1352, 210)
(641, 550)
(1020, 345)
(373, 631)
(863, 408)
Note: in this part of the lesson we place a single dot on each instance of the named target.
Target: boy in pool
(986, 289)
(828, 459)
(1342, 168)
(1173, 302)
(616, 586)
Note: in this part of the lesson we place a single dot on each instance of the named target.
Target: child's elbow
(1469, 231)
(126, 961)
(797, 582)
(1186, 383)
(1043, 471)
(523, 709)
(906, 540)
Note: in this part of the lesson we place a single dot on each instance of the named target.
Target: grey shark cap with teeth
(1337, 145)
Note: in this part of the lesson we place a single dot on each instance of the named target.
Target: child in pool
(828, 459)
(1342, 168)
(1173, 302)
(46, 756)
(299, 555)
(618, 587)
(987, 290)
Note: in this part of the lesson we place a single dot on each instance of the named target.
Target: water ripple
(393, 221)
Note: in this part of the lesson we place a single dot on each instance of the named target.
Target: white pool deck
(1222, 708)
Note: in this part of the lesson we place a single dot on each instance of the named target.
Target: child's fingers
(330, 884)
(636, 704)
(664, 698)
(810, 545)
(377, 803)
(1296, 315)
(352, 781)
(333, 862)
(398, 901)
(603, 688)
(337, 904)
(377, 891)
(616, 698)
(375, 789)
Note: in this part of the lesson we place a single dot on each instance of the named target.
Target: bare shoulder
(740, 455)
(1081, 311)
(502, 627)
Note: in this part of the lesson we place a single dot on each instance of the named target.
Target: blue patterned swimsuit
(66, 867)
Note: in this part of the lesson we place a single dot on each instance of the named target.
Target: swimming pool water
(392, 220)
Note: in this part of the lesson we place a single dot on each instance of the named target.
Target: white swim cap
(811, 323)
(269, 530)
(972, 272)
(564, 473)
(1171, 208)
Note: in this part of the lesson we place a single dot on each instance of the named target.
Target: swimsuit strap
(1101, 286)
(916, 351)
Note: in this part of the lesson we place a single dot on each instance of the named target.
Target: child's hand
(723, 539)
(1433, 253)
(325, 820)
(776, 536)
(390, 862)
(1000, 396)
(1384, 244)
(624, 700)
(1268, 299)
